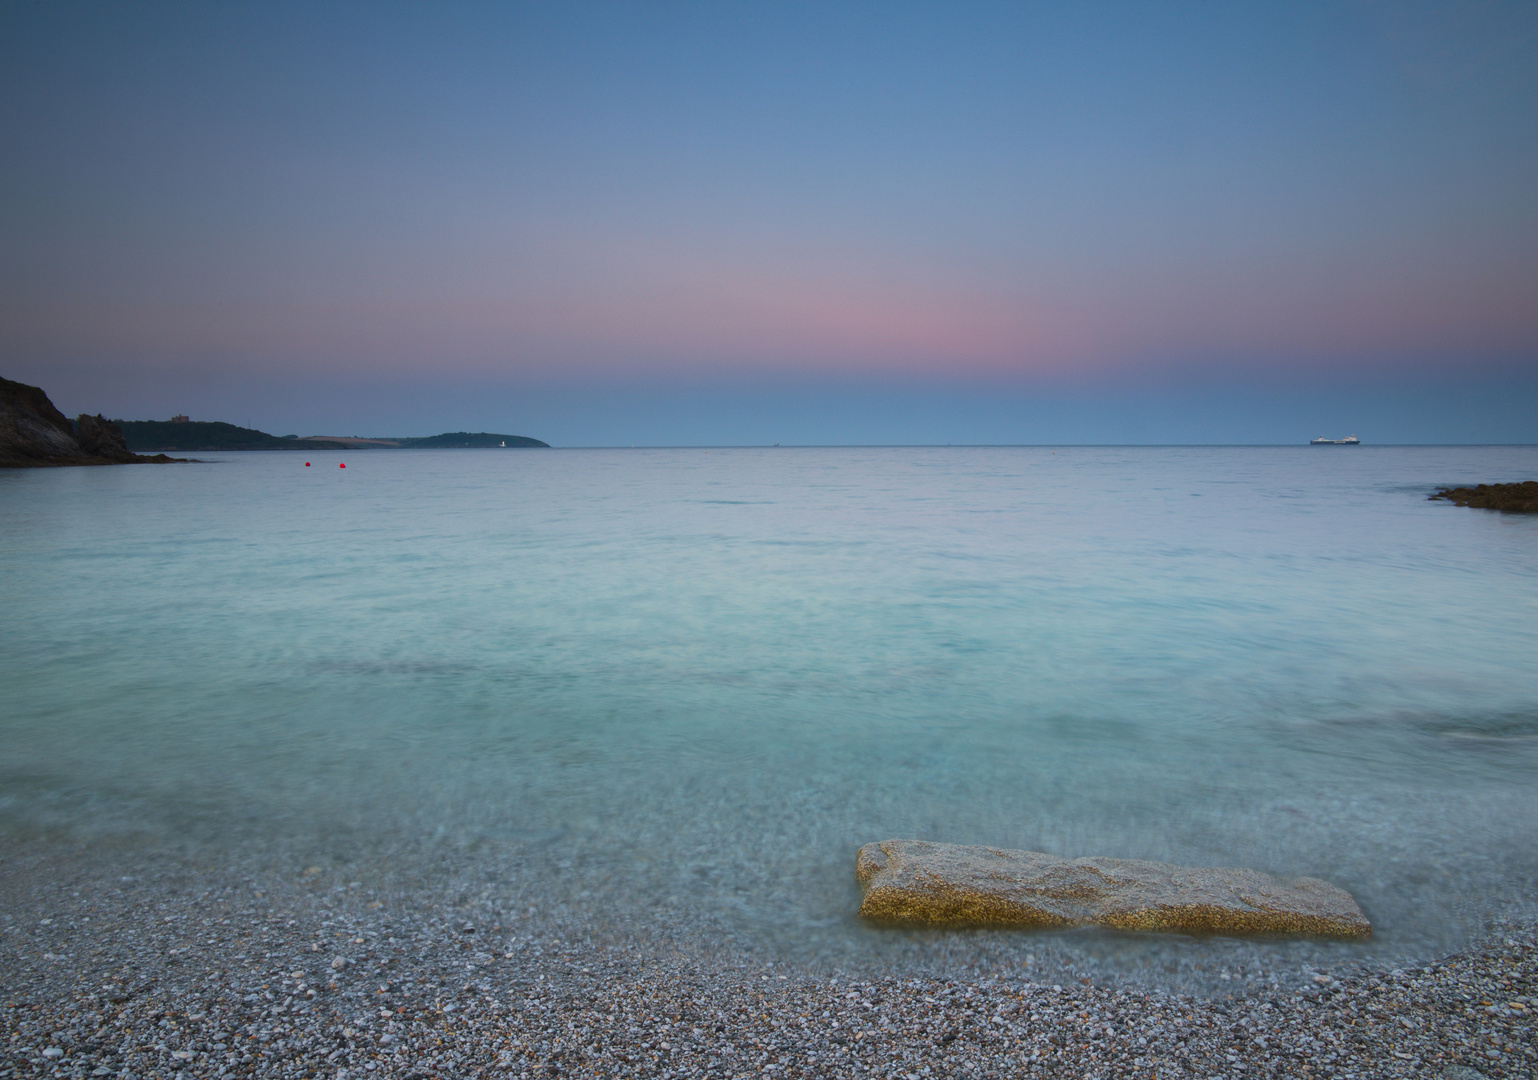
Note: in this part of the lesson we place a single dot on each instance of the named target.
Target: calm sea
(680, 687)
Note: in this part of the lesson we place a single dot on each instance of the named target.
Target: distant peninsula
(34, 433)
(184, 434)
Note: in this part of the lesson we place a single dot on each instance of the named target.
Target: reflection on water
(691, 685)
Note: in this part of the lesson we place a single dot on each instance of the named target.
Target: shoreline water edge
(557, 765)
(120, 964)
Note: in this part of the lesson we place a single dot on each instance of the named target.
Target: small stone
(54, 1052)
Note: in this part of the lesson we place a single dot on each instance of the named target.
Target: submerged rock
(1521, 498)
(916, 882)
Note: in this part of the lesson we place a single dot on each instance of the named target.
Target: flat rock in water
(1521, 498)
(917, 882)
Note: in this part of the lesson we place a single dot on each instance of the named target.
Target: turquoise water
(680, 687)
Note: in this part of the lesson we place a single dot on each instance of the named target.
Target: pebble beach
(117, 963)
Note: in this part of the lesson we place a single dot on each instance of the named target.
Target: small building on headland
(180, 418)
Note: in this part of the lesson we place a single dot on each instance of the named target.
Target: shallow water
(678, 688)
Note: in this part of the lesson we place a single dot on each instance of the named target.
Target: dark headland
(34, 434)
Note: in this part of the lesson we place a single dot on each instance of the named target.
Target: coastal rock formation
(916, 882)
(33, 433)
(1521, 498)
(100, 437)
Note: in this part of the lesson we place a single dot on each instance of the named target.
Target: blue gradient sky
(614, 224)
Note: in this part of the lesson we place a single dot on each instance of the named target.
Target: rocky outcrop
(33, 433)
(100, 437)
(921, 883)
(1520, 498)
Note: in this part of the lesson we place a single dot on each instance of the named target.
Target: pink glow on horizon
(712, 318)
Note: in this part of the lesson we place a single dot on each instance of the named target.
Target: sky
(731, 224)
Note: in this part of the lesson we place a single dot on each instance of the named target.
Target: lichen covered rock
(921, 883)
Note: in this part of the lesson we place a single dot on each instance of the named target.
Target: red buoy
(306, 464)
(342, 466)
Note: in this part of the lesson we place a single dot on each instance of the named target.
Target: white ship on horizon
(1349, 440)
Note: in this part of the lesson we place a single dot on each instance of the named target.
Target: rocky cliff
(100, 437)
(34, 434)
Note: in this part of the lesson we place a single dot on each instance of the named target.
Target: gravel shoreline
(114, 965)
